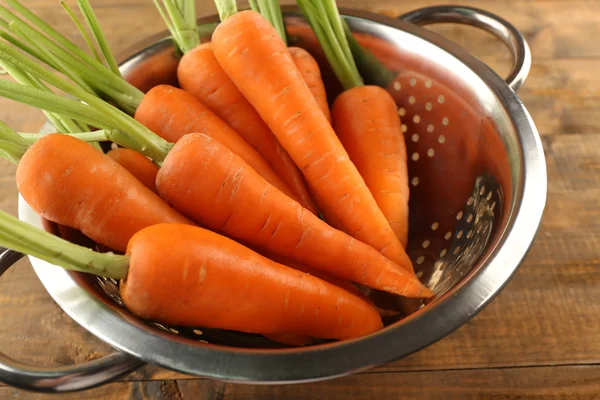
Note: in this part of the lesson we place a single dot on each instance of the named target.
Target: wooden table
(539, 339)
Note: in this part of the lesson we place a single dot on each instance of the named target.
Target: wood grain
(538, 339)
(547, 383)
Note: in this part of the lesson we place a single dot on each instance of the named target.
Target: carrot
(241, 44)
(217, 282)
(240, 289)
(311, 75)
(94, 79)
(365, 119)
(334, 280)
(200, 74)
(305, 62)
(172, 113)
(67, 181)
(301, 35)
(224, 194)
(367, 123)
(137, 164)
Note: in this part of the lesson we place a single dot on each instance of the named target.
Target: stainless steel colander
(478, 190)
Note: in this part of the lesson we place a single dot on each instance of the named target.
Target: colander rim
(340, 358)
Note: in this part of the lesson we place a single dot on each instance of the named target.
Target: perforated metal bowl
(478, 190)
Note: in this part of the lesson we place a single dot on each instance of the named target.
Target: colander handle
(505, 31)
(60, 379)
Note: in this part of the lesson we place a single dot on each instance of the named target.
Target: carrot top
(180, 18)
(91, 110)
(13, 145)
(370, 68)
(25, 238)
(61, 122)
(325, 20)
(226, 8)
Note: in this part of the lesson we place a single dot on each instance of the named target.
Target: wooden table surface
(539, 339)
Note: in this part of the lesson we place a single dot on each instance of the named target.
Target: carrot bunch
(216, 188)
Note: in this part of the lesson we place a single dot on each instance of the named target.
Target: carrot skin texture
(366, 120)
(275, 88)
(69, 182)
(311, 74)
(137, 164)
(334, 280)
(222, 193)
(200, 74)
(172, 113)
(221, 284)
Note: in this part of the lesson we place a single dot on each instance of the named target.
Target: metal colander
(478, 188)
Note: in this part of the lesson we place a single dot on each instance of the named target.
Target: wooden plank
(567, 382)
(552, 27)
(524, 326)
(576, 383)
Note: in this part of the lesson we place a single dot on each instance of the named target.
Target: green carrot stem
(27, 239)
(180, 18)
(87, 67)
(13, 152)
(90, 17)
(25, 79)
(40, 43)
(81, 29)
(21, 45)
(60, 122)
(226, 8)
(123, 101)
(132, 136)
(325, 21)
(80, 73)
(92, 136)
(271, 10)
(6, 133)
(12, 145)
(371, 69)
(96, 112)
(46, 28)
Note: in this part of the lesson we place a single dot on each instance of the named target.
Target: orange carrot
(200, 74)
(296, 340)
(137, 164)
(305, 62)
(222, 193)
(365, 118)
(276, 90)
(311, 75)
(367, 123)
(179, 274)
(68, 181)
(334, 280)
(172, 113)
(222, 284)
